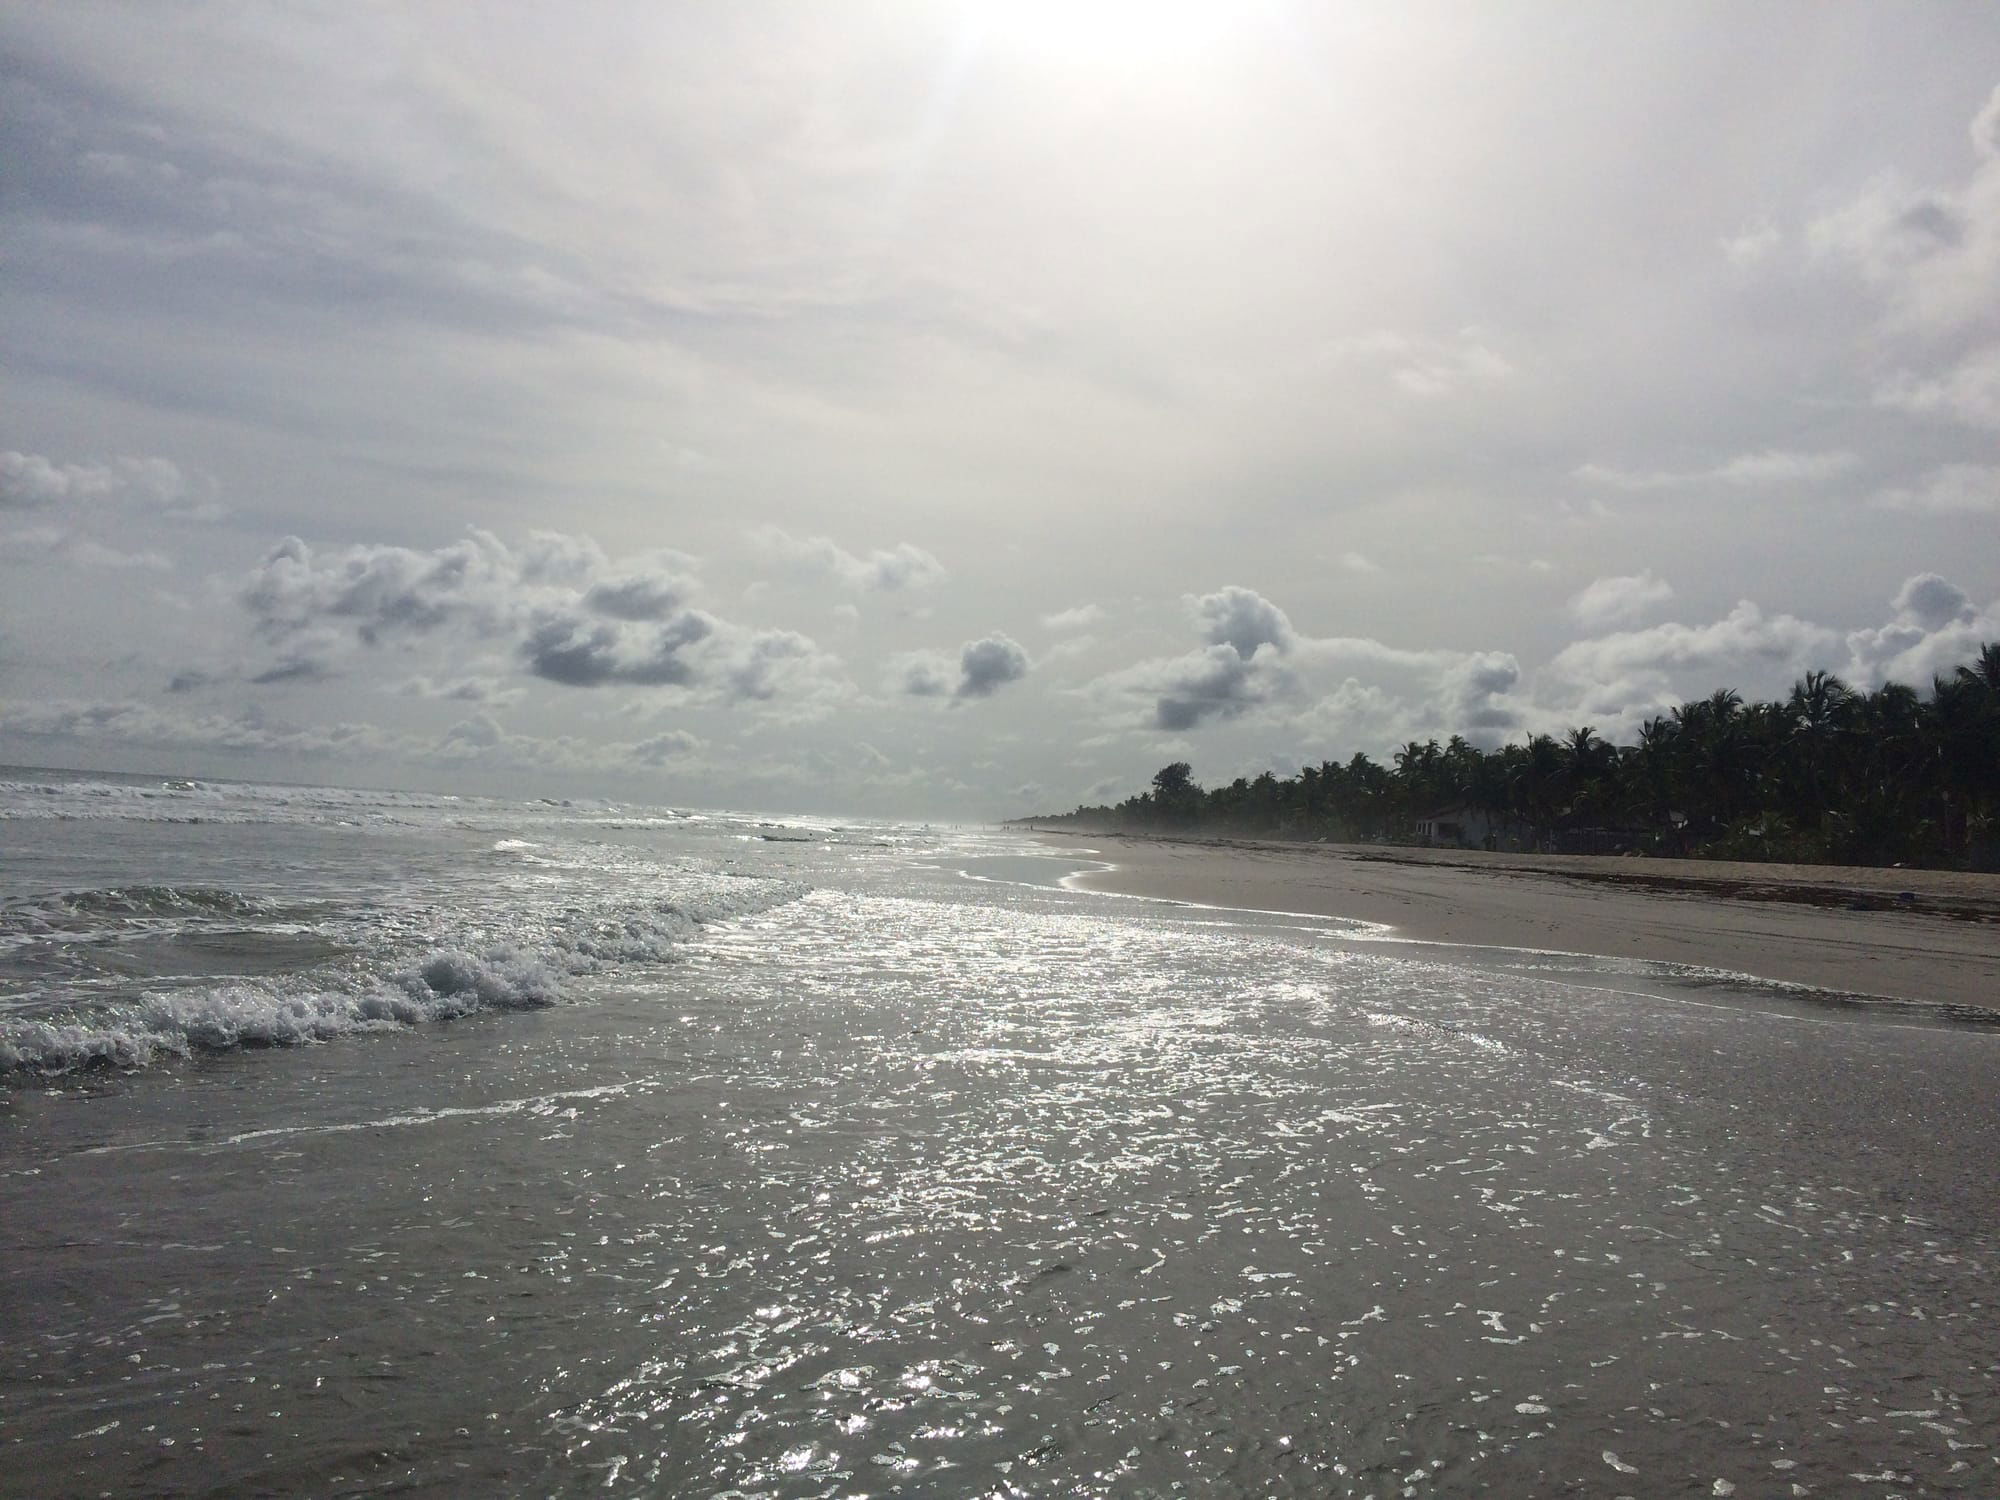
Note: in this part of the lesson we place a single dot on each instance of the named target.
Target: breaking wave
(437, 983)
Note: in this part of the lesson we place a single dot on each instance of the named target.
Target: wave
(439, 983)
(130, 901)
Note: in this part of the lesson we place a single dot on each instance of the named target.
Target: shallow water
(928, 1176)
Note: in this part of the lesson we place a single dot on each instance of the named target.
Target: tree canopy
(1828, 774)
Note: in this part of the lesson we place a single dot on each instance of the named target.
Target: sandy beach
(1919, 935)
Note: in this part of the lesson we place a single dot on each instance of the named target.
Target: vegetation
(1828, 775)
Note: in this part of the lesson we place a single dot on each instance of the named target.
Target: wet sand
(1921, 935)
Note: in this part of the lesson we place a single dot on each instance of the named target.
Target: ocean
(360, 1143)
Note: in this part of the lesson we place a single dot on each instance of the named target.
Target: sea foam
(437, 983)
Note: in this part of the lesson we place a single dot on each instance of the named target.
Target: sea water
(368, 1142)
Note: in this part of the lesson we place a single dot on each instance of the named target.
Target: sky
(963, 409)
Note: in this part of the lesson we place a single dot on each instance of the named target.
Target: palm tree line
(1829, 774)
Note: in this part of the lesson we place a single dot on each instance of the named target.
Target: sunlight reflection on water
(936, 1186)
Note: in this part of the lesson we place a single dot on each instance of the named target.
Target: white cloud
(1769, 468)
(1257, 663)
(1950, 489)
(669, 745)
(1606, 672)
(1355, 562)
(571, 615)
(470, 689)
(1080, 618)
(1422, 367)
(884, 570)
(921, 674)
(1932, 253)
(30, 481)
(54, 542)
(1753, 246)
(1968, 392)
(1935, 627)
(1618, 600)
(1241, 619)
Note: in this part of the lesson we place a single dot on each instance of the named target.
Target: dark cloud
(575, 652)
(985, 666)
(1472, 693)
(295, 669)
(1216, 683)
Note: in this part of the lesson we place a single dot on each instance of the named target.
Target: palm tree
(1985, 669)
(1821, 710)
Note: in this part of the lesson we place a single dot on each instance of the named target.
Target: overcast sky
(966, 408)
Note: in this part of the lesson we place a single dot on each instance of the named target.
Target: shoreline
(1928, 936)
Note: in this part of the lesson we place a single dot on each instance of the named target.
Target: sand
(1919, 935)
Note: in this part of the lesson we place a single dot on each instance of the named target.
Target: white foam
(441, 983)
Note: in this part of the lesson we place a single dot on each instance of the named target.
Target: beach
(373, 1143)
(1930, 936)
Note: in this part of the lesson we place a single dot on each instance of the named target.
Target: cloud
(567, 647)
(1950, 489)
(1243, 620)
(1932, 253)
(1354, 562)
(1470, 694)
(383, 592)
(985, 666)
(757, 665)
(1967, 393)
(461, 690)
(1745, 634)
(478, 739)
(1769, 468)
(77, 550)
(1616, 600)
(1753, 246)
(1257, 662)
(574, 617)
(1421, 367)
(1239, 669)
(922, 674)
(1080, 618)
(1932, 602)
(642, 596)
(1186, 691)
(671, 745)
(1934, 627)
(134, 723)
(296, 668)
(885, 570)
(28, 481)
